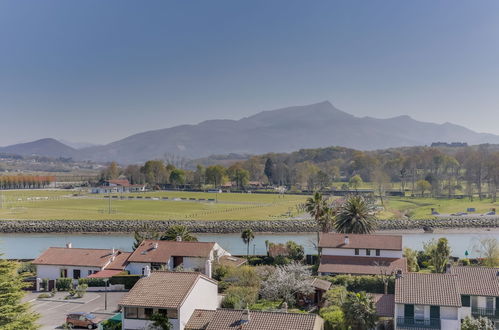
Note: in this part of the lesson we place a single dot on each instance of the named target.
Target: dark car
(82, 320)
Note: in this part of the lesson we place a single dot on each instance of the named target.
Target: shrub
(334, 318)
(44, 295)
(281, 260)
(367, 283)
(81, 289)
(220, 271)
(64, 284)
(92, 282)
(127, 280)
(265, 305)
(335, 296)
(242, 276)
(238, 297)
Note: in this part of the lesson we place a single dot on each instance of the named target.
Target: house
(175, 294)
(168, 255)
(360, 254)
(230, 319)
(118, 186)
(429, 301)
(69, 262)
(479, 290)
(385, 307)
(320, 288)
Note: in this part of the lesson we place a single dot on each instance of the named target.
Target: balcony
(413, 324)
(491, 313)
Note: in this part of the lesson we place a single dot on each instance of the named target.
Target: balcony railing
(487, 312)
(412, 323)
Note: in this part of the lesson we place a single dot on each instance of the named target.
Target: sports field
(161, 205)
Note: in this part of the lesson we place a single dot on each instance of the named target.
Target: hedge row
(127, 280)
(367, 283)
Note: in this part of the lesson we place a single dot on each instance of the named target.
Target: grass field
(47, 204)
(70, 205)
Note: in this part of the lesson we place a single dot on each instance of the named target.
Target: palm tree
(355, 216)
(317, 207)
(360, 311)
(247, 236)
(178, 232)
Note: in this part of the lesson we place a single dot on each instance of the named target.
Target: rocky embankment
(282, 226)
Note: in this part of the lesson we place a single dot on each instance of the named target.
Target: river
(28, 246)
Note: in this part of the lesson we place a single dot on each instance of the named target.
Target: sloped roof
(146, 252)
(119, 261)
(76, 257)
(428, 289)
(231, 261)
(477, 281)
(162, 289)
(361, 265)
(200, 319)
(385, 304)
(357, 241)
(229, 319)
(321, 284)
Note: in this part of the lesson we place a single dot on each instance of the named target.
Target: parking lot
(53, 311)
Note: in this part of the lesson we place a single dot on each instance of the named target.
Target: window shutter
(465, 301)
(434, 312)
(409, 311)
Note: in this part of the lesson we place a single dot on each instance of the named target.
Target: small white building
(75, 263)
(169, 255)
(360, 254)
(175, 294)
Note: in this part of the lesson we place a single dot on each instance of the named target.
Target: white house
(360, 254)
(75, 263)
(168, 255)
(176, 294)
(479, 290)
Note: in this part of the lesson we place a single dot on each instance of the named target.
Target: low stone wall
(235, 226)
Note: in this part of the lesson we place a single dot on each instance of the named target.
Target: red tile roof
(427, 289)
(146, 252)
(76, 257)
(361, 265)
(385, 304)
(119, 261)
(477, 281)
(356, 241)
(106, 273)
(231, 261)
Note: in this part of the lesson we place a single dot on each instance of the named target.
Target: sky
(97, 71)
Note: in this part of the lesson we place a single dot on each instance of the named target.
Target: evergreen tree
(269, 169)
(14, 314)
(175, 231)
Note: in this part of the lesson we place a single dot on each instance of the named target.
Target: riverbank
(224, 226)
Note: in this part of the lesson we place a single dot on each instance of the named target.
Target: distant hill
(43, 147)
(283, 130)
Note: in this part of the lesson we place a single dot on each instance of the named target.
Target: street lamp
(106, 280)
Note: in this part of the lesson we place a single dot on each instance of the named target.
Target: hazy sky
(101, 70)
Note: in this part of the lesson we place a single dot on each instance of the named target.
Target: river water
(28, 246)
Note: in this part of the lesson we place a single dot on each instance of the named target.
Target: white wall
(449, 313)
(133, 324)
(53, 272)
(191, 263)
(362, 253)
(135, 268)
(450, 324)
(204, 295)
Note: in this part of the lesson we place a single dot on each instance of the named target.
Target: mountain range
(283, 130)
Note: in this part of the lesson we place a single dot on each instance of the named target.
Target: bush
(220, 271)
(335, 296)
(92, 282)
(367, 283)
(64, 284)
(44, 295)
(81, 289)
(238, 297)
(334, 318)
(242, 276)
(281, 260)
(265, 305)
(128, 280)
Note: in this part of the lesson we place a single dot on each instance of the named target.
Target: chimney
(245, 316)
(69, 245)
(208, 268)
(179, 239)
(284, 307)
(447, 268)
(399, 273)
(147, 271)
(155, 245)
(113, 251)
(347, 240)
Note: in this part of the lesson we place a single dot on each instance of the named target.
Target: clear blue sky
(100, 70)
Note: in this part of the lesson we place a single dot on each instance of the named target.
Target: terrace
(414, 323)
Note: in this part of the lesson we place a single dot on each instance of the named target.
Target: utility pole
(109, 203)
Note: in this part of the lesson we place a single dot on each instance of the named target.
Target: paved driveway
(53, 312)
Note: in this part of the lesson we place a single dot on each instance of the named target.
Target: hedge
(367, 283)
(128, 280)
(64, 284)
(92, 282)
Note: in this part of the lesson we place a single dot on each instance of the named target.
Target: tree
(247, 236)
(160, 322)
(239, 175)
(317, 207)
(286, 282)
(269, 170)
(146, 233)
(481, 323)
(488, 249)
(215, 175)
(296, 251)
(14, 314)
(360, 311)
(439, 252)
(176, 232)
(334, 318)
(355, 182)
(412, 259)
(381, 181)
(355, 216)
(423, 186)
(111, 172)
(177, 177)
(155, 172)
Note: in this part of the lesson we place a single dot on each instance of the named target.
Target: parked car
(82, 320)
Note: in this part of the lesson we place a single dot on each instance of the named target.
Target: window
(172, 314)
(419, 312)
(148, 312)
(162, 311)
(131, 312)
(378, 252)
(465, 301)
(474, 301)
(90, 272)
(489, 302)
(64, 273)
(356, 252)
(76, 274)
(368, 252)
